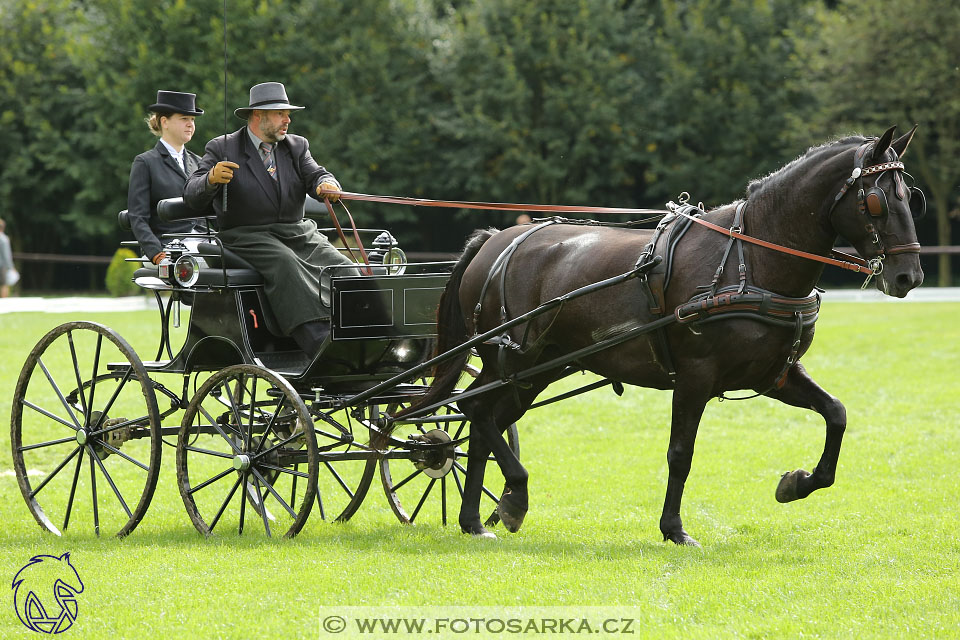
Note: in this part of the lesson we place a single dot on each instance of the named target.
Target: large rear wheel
(85, 431)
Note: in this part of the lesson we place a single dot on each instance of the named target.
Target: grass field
(875, 556)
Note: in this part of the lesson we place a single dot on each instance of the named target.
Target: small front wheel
(247, 454)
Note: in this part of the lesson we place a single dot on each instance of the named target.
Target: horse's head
(875, 211)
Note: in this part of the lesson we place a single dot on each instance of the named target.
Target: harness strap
(854, 266)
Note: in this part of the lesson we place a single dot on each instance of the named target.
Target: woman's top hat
(176, 102)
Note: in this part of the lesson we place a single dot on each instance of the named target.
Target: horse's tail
(451, 327)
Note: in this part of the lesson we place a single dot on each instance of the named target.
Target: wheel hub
(435, 462)
(241, 462)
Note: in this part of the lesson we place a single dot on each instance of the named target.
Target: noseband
(872, 203)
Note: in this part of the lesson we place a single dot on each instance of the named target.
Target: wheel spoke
(54, 472)
(297, 435)
(93, 379)
(243, 506)
(339, 479)
(113, 449)
(299, 474)
(406, 480)
(116, 392)
(323, 515)
(270, 425)
(218, 428)
(208, 452)
(423, 499)
(225, 503)
(206, 483)
(56, 388)
(40, 445)
(263, 509)
(253, 404)
(106, 475)
(120, 425)
(443, 500)
(273, 492)
(46, 413)
(93, 489)
(456, 479)
(76, 370)
(73, 491)
(234, 409)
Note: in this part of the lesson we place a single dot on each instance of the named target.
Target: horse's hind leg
(800, 390)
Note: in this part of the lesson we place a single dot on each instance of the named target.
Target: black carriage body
(382, 324)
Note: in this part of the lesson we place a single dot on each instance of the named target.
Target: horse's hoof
(787, 489)
(683, 539)
(479, 532)
(486, 535)
(511, 515)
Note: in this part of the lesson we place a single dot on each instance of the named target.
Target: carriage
(256, 424)
(705, 303)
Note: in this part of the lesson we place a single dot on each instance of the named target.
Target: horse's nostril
(906, 281)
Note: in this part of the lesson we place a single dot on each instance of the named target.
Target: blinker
(876, 201)
(918, 203)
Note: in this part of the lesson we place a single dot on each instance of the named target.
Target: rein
(494, 206)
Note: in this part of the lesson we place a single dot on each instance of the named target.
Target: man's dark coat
(264, 221)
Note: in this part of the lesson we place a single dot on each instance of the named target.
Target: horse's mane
(775, 178)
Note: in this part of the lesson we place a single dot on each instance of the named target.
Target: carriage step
(285, 361)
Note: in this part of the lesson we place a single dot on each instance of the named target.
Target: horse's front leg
(800, 390)
(688, 405)
(486, 437)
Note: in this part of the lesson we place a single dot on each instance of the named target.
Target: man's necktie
(268, 160)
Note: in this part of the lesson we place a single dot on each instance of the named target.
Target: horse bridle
(872, 203)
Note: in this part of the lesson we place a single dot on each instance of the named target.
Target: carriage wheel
(83, 399)
(430, 487)
(347, 467)
(247, 454)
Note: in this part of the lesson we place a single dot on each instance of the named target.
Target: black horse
(852, 188)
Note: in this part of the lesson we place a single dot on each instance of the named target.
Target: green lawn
(876, 555)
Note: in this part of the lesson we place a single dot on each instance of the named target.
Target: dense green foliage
(607, 102)
(120, 274)
(875, 556)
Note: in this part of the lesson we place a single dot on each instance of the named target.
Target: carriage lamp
(386, 252)
(186, 271)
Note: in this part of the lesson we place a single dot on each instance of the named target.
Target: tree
(540, 102)
(42, 101)
(878, 63)
(726, 94)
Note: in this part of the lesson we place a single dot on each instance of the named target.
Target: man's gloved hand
(222, 172)
(327, 186)
(157, 258)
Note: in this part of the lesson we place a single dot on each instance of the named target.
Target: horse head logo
(45, 593)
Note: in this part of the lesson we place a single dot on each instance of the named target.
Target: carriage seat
(224, 268)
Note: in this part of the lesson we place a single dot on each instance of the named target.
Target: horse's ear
(900, 144)
(883, 144)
